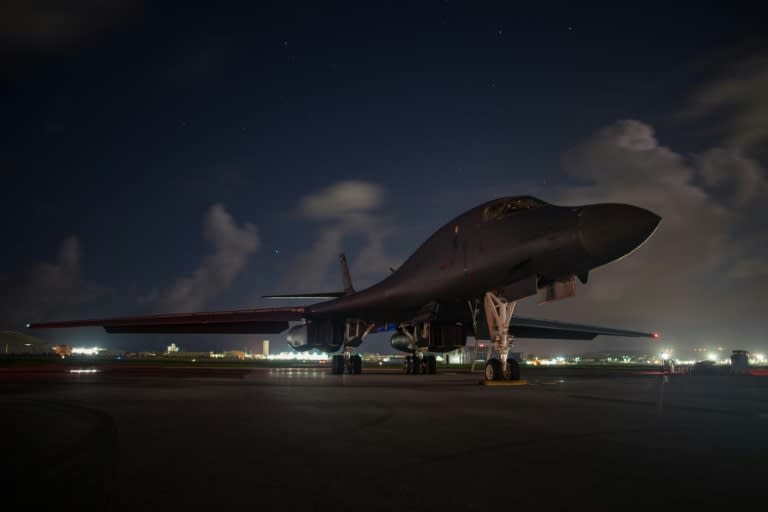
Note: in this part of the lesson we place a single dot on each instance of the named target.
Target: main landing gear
(351, 364)
(498, 314)
(420, 364)
(353, 337)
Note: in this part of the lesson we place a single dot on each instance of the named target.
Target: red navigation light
(655, 335)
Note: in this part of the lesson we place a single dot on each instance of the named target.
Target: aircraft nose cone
(610, 231)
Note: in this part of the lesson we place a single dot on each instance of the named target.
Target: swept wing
(243, 321)
(522, 327)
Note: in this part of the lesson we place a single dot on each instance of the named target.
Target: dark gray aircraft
(463, 281)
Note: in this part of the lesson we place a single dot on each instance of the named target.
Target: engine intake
(325, 335)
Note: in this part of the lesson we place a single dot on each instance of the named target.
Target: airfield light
(760, 358)
(86, 351)
(712, 356)
(665, 355)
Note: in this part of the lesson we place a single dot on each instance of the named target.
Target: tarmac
(155, 438)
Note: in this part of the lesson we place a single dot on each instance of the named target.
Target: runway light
(83, 370)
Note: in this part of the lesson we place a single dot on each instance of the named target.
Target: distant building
(173, 348)
(265, 348)
(234, 354)
(63, 350)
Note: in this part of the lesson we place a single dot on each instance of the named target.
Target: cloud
(232, 247)
(741, 179)
(50, 291)
(342, 199)
(44, 25)
(736, 104)
(698, 273)
(347, 210)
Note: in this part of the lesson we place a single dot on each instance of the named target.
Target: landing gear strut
(353, 337)
(418, 362)
(498, 314)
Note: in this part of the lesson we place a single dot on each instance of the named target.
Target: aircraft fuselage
(515, 244)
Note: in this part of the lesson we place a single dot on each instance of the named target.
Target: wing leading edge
(275, 320)
(522, 327)
(244, 321)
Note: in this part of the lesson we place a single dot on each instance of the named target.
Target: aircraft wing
(522, 327)
(244, 321)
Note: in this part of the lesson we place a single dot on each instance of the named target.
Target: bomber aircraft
(464, 280)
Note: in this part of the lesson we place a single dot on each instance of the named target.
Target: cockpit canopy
(508, 205)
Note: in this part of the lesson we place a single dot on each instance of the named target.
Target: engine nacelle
(326, 336)
(443, 337)
(401, 342)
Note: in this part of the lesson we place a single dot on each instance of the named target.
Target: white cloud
(347, 210)
(683, 277)
(232, 247)
(341, 200)
(736, 104)
(742, 179)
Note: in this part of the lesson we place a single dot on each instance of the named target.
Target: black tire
(431, 365)
(407, 364)
(337, 365)
(493, 370)
(356, 365)
(416, 366)
(513, 370)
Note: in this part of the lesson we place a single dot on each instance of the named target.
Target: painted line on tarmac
(502, 383)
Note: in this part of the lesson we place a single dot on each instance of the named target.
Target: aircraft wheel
(493, 370)
(513, 370)
(431, 365)
(407, 363)
(356, 365)
(337, 365)
(416, 366)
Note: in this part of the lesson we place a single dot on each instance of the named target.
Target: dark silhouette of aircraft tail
(346, 281)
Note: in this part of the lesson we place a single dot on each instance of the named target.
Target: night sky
(157, 159)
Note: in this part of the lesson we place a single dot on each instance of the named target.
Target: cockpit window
(506, 206)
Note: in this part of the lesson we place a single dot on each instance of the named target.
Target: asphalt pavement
(303, 439)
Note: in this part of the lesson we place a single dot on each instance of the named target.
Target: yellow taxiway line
(498, 383)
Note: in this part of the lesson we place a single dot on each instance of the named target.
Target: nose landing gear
(498, 314)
